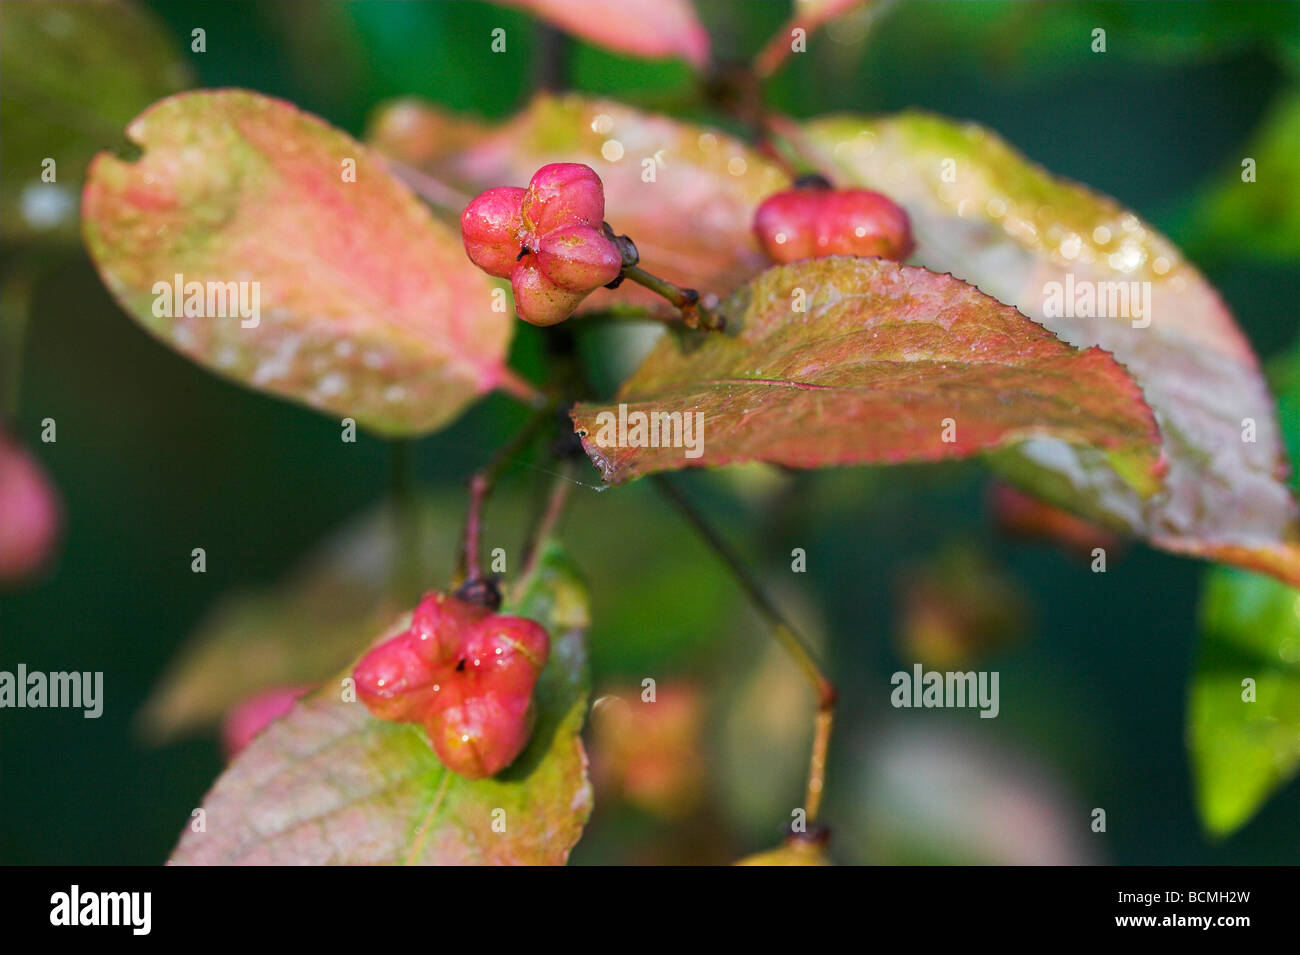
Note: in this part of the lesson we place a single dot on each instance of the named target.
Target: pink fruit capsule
(466, 675)
(579, 258)
(538, 300)
(563, 194)
(492, 229)
(815, 221)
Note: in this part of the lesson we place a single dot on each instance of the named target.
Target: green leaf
(73, 74)
(1260, 218)
(330, 784)
(365, 305)
(1249, 628)
(1242, 751)
(692, 222)
(983, 212)
(847, 360)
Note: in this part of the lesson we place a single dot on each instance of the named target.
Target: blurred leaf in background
(943, 795)
(1244, 701)
(1257, 217)
(74, 74)
(958, 608)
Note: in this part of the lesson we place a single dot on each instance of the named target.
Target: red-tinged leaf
(983, 212)
(331, 784)
(883, 363)
(692, 223)
(366, 305)
(649, 29)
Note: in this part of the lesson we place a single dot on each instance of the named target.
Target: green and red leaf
(330, 784)
(854, 360)
(1244, 746)
(368, 306)
(983, 212)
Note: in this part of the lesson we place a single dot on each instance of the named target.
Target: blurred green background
(155, 457)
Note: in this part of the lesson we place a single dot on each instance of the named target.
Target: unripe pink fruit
(804, 223)
(562, 194)
(538, 300)
(492, 228)
(578, 258)
(464, 673)
(858, 222)
(786, 226)
(30, 514)
(547, 239)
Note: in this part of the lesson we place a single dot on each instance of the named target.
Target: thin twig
(785, 633)
(481, 485)
(556, 501)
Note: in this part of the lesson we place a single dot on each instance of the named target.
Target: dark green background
(156, 456)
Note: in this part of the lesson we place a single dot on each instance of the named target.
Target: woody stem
(791, 641)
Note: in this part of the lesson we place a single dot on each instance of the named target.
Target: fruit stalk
(695, 314)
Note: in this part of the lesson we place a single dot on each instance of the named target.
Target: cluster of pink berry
(547, 239)
(464, 673)
(551, 240)
(813, 220)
